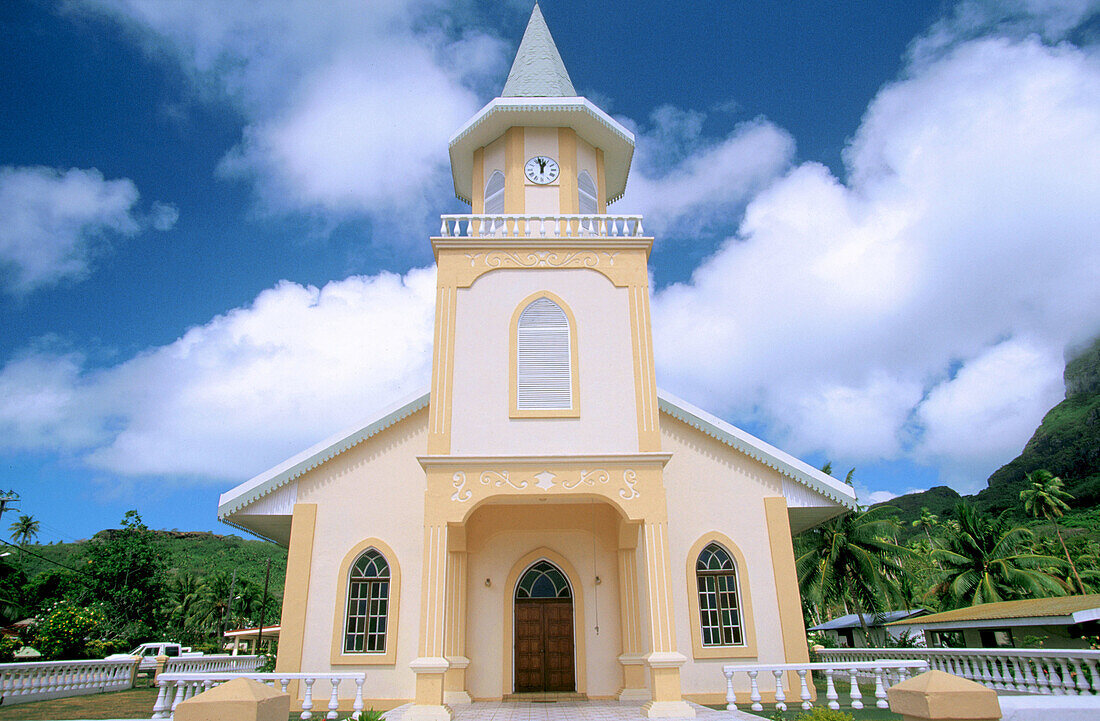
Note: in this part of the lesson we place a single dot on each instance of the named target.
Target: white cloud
(53, 223)
(965, 236)
(685, 185)
(237, 394)
(347, 105)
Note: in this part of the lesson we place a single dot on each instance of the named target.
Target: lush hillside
(199, 553)
(1067, 444)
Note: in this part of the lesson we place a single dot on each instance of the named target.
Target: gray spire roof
(538, 70)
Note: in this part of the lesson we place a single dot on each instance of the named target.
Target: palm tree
(1047, 497)
(988, 560)
(851, 561)
(926, 523)
(182, 603)
(24, 530)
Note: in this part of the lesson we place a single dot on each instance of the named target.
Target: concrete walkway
(566, 711)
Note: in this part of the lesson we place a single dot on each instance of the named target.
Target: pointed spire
(538, 70)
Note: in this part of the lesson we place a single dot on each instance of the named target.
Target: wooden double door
(544, 645)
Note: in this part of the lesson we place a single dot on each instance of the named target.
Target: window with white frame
(586, 188)
(544, 379)
(719, 601)
(494, 194)
(368, 604)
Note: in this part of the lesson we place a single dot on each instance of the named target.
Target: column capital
(666, 659)
(429, 664)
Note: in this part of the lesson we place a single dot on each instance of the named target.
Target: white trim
(753, 447)
(259, 486)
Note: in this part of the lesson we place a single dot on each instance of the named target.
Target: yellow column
(299, 558)
(431, 665)
(664, 661)
(792, 625)
(439, 411)
(454, 682)
(632, 659)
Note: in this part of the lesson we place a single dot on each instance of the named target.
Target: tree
(24, 530)
(985, 559)
(125, 571)
(926, 523)
(1046, 497)
(850, 562)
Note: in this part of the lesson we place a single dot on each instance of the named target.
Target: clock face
(541, 169)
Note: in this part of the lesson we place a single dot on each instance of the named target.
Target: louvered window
(587, 191)
(494, 194)
(544, 378)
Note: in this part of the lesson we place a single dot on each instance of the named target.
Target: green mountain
(1067, 444)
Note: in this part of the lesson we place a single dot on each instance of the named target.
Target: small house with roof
(542, 518)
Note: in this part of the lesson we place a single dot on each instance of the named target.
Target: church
(542, 519)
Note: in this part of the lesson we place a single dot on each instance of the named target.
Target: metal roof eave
(762, 451)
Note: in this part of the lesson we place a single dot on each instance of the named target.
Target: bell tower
(543, 388)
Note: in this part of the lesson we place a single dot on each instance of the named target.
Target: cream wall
(711, 487)
(375, 490)
(480, 406)
(586, 160)
(494, 158)
(497, 538)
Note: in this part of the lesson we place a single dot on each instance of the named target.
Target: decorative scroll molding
(630, 478)
(545, 481)
(462, 494)
(494, 259)
(499, 479)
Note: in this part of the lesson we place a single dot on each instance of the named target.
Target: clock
(541, 169)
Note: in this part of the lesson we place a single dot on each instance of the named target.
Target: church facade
(542, 519)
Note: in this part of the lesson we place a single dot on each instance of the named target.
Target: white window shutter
(544, 379)
(494, 194)
(587, 191)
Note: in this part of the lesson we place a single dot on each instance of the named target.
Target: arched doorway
(544, 630)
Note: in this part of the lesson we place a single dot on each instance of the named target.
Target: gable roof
(266, 484)
(873, 619)
(1059, 610)
(757, 449)
(538, 70)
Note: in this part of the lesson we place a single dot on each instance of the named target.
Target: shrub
(8, 646)
(820, 713)
(65, 631)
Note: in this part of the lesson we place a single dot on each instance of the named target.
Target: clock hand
(542, 165)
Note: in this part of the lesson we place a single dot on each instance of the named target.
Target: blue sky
(876, 225)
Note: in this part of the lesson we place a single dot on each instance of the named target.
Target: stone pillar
(431, 666)
(241, 699)
(632, 659)
(454, 683)
(161, 662)
(939, 696)
(664, 661)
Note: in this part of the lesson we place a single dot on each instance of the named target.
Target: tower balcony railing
(541, 226)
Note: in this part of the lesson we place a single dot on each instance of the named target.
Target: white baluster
(283, 684)
(307, 701)
(1041, 677)
(804, 693)
(854, 692)
(1029, 678)
(830, 690)
(1079, 676)
(998, 680)
(333, 699)
(880, 690)
(731, 695)
(1053, 676)
(780, 696)
(983, 666)
(1067, 678)
(1092, 673)
(160, 706)
(357, 706)
(178, 699)
(754, 692)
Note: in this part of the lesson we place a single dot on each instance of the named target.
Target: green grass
(135, 703)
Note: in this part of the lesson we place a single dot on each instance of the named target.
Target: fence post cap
(242, 699)
(940, 696)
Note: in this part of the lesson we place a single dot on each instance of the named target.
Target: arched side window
(720, 618)
(544, 356)
(368, 604)
(494, 194)
(586, 188)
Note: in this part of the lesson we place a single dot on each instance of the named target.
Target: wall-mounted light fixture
(488, 583)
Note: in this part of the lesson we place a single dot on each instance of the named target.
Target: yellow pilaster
(632, 659)
(664, 661)
(791, 623)
(439, 414)
(454, 682)
(431, 665)
(303, 525)
(514, 190)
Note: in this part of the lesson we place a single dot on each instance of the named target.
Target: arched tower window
(368, 604)
(544, 373)
(587, 190)
(719, 601)
(494, 194)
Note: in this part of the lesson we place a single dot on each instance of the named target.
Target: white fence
(885, 673)
(42, 680)
(213, 664)
(175, 688)
(1040, 671)
(541, 226)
